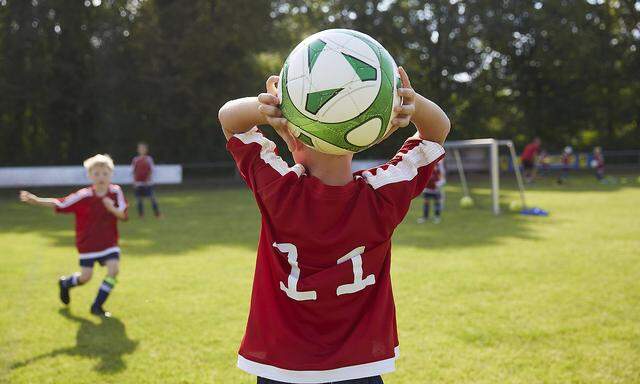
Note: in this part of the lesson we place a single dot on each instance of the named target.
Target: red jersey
(565, 159)
(437, 179)
(530, 151)
(96, 228)
(322, 308)
(142, 169)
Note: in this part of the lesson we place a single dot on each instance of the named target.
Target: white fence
(77, 175)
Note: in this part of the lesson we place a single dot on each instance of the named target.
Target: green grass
(480, 299)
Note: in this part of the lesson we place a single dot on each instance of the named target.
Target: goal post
(492, 147)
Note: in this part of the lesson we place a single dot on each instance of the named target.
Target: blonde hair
(98, 159)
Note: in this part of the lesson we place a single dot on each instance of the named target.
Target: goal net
(483, 155)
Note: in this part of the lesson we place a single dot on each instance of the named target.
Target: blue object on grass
(534, 212)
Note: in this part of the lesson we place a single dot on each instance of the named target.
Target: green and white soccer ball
(338, 90)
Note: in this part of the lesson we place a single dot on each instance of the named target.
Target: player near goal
(97, 209)
(322, 308)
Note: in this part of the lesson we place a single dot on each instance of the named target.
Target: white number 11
(291, 288)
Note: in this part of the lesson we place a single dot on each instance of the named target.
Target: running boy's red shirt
(322, 307)
(96, 227)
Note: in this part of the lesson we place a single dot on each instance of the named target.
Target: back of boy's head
(99, 160)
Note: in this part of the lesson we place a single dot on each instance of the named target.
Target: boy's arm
(32, 199)
(110, 206)
(240, 115)
(430, 120)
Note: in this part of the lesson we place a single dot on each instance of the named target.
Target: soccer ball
(515, 206)
(466, 202)
(594, 163)
(337, 90)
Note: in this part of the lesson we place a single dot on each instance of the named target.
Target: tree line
(80, 77)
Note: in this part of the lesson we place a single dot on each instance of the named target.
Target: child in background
(322, 307)
(142, 168)
(545, 162)
(566, 164)
(433, 191)
(598, 163)
(97, 209)
(528, 159)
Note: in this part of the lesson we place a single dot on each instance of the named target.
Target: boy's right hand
(27, 197)
(270, 108)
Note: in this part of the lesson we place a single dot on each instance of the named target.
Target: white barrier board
(50, 176)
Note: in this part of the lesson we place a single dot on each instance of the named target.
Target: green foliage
(96, 76)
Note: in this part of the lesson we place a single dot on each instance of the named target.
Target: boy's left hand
(108, 203)
(408, 107)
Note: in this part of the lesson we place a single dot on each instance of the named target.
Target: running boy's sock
(70, 281)
(103, 293)
(438, 207)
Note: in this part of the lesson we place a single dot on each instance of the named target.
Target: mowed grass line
(480, 299)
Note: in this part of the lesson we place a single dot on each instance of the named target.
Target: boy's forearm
(45, 202)
(430, 120)
(240, 115)
(119, 214)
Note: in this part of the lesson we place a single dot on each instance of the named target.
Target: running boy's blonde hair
(98, 159)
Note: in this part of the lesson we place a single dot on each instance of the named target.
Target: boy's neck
(331, 170)
(100, 189)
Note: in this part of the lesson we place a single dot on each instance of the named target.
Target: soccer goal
(482, 155)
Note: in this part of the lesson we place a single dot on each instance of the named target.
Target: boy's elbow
(223, 113)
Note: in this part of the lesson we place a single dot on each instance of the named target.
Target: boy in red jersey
(142, 170)
(433, 191)
(322, 308)
(97, 209)
(528, 159)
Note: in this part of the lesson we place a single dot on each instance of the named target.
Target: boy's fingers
(407, 93)
(271, 84)
(278, 123)
(404, 77)
(401, 121)
(407, 109)
(267, 98)
(269, 110)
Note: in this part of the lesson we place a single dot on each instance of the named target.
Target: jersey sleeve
(72, 202)
(257, 160)
(404, 177)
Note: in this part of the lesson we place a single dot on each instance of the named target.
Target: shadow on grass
(106, 341)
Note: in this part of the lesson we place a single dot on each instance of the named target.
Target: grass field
(480, 299)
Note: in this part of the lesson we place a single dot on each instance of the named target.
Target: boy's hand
(27, 197)
(270, 109)
(408, 107)
(109, 204)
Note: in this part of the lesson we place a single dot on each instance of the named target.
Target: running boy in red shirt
(97, 209)
(322, 308)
